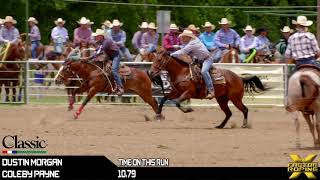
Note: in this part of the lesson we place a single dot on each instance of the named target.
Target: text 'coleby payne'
(144, 162)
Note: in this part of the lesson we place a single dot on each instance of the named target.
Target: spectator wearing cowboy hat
(195, 30)
(106, 26)
(119, 36)
(83, 33)
(59, 35)
(248, 45)
(264, 44)
(35, 36)
(195, 48)
(9, 33)
(207, 37)
(110, 48)
(149, 42)
(281, 46)
(225, 38)
(137, 37)
(171, 41)
(302, 45)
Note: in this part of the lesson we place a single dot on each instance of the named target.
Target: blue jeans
(126, 52)
(115, 69)
(310, 60)
(207, 64)
(34, 46)
(218, 54)
(151, 49)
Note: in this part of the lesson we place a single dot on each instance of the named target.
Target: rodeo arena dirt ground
(186, 139)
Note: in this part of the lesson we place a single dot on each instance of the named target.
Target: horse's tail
(309, 86)
(253, 84)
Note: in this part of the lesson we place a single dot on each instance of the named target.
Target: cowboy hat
(1, 21)
(107, 23)
(286, 29)
(84, 20)
(116, 22)
(9, 19)
(143, 25)
(32, 19)
(59, 20)
(224, 21)
(152, 26)
(192, 27)
(90, 22)
(249, 28)
(173, 27)
(99, 32)
(302, 20)
(187, 33)
(208, 24)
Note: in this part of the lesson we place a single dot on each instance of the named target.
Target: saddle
(124, 70)
(311, 66)
(216, 74)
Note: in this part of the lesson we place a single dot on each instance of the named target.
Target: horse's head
(65, 74)
(159, 63)
(148, 57)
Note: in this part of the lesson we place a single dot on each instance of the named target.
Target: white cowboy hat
(224, 21)
(173, 27)
(90, 22)
(143, 25)
(208, 24)
(116, 22)
(187, 33)
(1, 21)
(286, 29)
(152, 26)
(84, 20)
(9, 19)
(32, 19)
(249, 28)
(302, 20)
(192, 27)
(107, 23)
(99, 32)
(59, 20)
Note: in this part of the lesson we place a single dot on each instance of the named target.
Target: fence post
(26, 82)
(285, 70)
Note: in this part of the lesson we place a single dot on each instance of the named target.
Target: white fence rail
(43, 89)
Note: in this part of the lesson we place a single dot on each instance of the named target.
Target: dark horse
(10, 72)
(96, 81)
(184, 88)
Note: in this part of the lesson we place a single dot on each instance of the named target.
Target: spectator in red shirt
(171, 40)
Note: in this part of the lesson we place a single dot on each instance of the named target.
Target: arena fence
(38, 86)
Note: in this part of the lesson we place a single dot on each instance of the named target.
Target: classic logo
(300, 165)
(15, 142)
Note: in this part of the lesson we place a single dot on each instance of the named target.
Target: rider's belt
(307, 59)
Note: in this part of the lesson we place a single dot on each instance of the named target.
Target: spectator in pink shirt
(171, 40)
(83, 33)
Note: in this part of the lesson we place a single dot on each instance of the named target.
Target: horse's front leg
(93, 91)
(184, 96)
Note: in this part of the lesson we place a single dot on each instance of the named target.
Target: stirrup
(210, 95)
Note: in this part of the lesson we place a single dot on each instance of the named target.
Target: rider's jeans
(207, 64)
(34, 46)
(115, 69)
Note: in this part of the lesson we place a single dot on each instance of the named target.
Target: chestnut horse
(303, 96)
(10, 72)
(184, 88)
(96, 81)
(232, 56)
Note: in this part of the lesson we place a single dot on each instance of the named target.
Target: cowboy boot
(120, 91)
(210, 95)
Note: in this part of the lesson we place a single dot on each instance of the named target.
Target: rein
(102, 72)
(5, 52)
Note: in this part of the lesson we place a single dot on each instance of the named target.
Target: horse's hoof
(245, 126)
(189, 110)
(159, 117)
(70, 108)
(219, 127)
(75, 116)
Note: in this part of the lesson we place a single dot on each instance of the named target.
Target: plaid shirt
(195, 48)
(302, 45)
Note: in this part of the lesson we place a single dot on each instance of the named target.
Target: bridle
(161, 65)
(67, 69)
